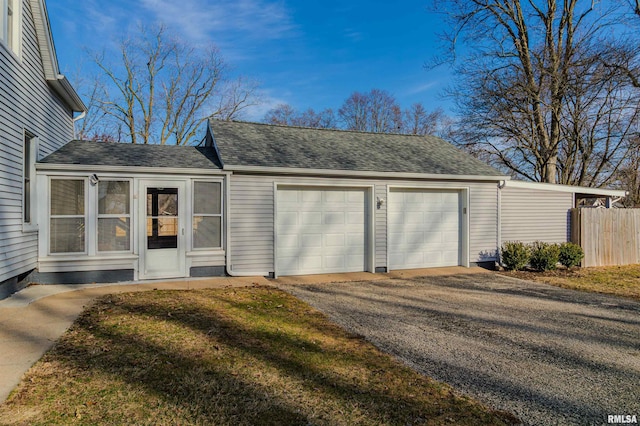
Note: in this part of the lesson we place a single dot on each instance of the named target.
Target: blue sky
(305, 53)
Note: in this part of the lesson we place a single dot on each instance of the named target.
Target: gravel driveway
(548, 355)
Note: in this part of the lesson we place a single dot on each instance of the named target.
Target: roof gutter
(358, 173)
(67, 93)
(96, 168)
(566, 188)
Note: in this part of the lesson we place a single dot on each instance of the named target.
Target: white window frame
(12, 42)
(84, 216)
(29, 150)
(220, 215)
(99, 216)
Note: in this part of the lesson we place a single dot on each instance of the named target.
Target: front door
(163, 242)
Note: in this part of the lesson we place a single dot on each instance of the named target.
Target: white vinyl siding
(252, 217)
(26, 102)
(533, 215)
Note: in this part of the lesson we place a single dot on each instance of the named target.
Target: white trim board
(356, 173)
(566, 188)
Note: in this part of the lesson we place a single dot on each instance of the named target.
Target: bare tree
(418, 121)
(160, 89)
(515, 94)
(286, 115)
(376, 111)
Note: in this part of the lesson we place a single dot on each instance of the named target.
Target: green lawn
(615, 280)
(226, 357)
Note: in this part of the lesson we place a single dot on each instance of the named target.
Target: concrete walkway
(35, 317)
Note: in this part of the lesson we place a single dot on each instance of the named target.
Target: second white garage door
(424, 228)
(320, 230)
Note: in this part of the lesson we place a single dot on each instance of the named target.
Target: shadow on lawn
(220, 382)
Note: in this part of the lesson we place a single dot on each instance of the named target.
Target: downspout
(501, 185)
(82, 115)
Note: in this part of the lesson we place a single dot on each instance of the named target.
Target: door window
(162, 218)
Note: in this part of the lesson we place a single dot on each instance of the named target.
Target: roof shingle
(134, 155)
(263, 145)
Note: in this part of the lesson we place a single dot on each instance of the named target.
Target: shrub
(514, 255)
(544, 256)
(570, 254)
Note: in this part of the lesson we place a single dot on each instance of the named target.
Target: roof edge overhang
(96, 168)
(567, 188)
(359, 173)
(58, 82)
(68, 94)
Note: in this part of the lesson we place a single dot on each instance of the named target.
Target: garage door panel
(310, 240)
(331, 230)
(333, 218)
(355, 218)
(334, 196)
(310, 262)
(289, 218)
(310, 218)
(424, 228)
(334, 240)
(395, 219)
(308, 196)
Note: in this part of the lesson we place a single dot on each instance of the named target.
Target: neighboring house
(37, 107)
(270, 200)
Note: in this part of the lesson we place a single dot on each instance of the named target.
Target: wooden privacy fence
(607, 236)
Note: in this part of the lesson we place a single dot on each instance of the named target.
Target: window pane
(206, 232)
(206, 198)
(113, 197)
(67, 197)
(113, 234)
(67, 235)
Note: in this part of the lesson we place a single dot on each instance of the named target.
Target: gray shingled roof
(262, 145)
(127, 154)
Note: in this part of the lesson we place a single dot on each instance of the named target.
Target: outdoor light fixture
(93, 179)
(380, 202)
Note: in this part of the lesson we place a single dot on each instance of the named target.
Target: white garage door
(424, 228)
(320, 230)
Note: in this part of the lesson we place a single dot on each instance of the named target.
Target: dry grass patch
(615, 280)
(226, 357)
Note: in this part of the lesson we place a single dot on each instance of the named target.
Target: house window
(207, 215)
(10, 24)
(28, 168)
(114, 216)
(67, 216)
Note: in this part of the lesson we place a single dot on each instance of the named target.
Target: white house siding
(251, 217)
(26, 102)
(529, 215)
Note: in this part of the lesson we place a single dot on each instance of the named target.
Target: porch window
(207, 215)
(67, 216)
(114, 216)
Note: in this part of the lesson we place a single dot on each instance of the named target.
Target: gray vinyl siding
(483, 222)
(251, 217)
(26, 103)
(532, 215)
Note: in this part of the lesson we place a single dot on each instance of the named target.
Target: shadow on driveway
(546, 354)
